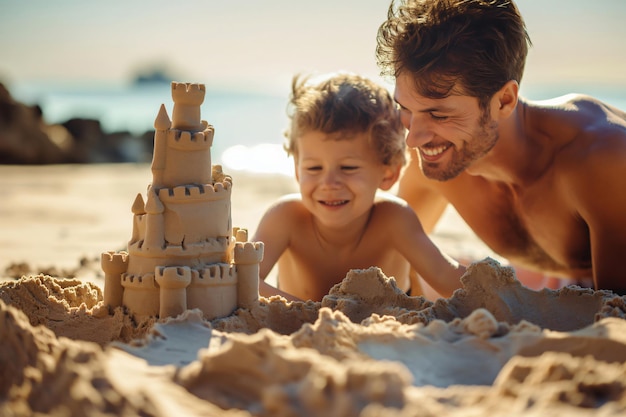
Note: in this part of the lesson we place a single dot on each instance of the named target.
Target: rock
(25, 138)
(22, 137)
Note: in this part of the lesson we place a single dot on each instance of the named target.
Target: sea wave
(266, 158)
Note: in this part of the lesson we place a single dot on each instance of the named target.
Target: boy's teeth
(334, 203)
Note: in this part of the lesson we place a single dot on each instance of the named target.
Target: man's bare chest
(535, 227)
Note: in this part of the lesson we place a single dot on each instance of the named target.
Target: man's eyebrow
(398, 103)
(434, 109)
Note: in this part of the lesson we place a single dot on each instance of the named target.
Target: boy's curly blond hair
(342, 106)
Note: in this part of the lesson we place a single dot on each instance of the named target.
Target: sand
(494, 348)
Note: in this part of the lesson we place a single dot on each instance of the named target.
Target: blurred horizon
(258, 46)
(80, 58)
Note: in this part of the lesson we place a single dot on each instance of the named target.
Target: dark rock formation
(25, 138)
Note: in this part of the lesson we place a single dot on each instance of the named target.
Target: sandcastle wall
(184, 252)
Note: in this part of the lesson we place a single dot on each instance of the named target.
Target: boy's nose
(330, 179)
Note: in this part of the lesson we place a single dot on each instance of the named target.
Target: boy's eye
(349, 167)
(314, 168)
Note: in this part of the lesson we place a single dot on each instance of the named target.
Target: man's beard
(483, 140)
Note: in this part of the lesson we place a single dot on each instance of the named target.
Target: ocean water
(248, 126)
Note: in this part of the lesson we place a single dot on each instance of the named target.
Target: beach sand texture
(494, 348)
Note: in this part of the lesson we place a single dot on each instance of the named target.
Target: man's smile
(433, 152)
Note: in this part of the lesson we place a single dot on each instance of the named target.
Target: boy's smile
(338, 177)
(335, 203)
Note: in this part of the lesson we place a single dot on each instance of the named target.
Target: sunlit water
(249, 127)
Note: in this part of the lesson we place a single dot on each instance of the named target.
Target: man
(541, 183)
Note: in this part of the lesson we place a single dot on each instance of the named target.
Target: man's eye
(438, 117)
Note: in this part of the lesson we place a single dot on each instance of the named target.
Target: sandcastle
(184, 252)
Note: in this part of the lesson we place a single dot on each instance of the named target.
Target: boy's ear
(392, 173)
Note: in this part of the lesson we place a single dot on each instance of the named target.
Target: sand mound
(494, 348)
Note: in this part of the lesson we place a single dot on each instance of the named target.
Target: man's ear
(504, 101)
(392, 173)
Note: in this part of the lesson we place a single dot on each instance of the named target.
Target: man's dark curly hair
(471, 47)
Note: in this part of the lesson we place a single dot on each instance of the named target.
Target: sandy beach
(494, 348)
(56, 215)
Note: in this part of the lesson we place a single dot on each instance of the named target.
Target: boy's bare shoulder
(284, 216)
(289, 206)
(390, 201)
(393, 208)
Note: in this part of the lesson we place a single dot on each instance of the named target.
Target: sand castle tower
(184, 252)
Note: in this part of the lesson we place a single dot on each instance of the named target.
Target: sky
(252, 44)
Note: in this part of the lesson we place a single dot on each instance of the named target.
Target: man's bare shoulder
(600, 135)
(578, 113)
(582, 130)
(588, 161)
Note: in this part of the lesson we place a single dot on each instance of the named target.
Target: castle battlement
(211, 248)
(114, 262)
(240, 234)
(216, 274)
(184, 140)
(139, 282)
(215, 191)
(172, 276)
(248, 252)
(190, 94)
(183, 251)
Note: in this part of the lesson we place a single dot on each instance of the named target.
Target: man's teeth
(437, 150)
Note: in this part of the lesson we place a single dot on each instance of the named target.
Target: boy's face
(338, 178)
(449, 134)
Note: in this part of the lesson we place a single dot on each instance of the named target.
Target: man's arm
(423, 198)
(598, 191)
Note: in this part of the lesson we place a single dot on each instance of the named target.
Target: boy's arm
(439, 270)
(419, 193)
(274, 231)
(429, 205)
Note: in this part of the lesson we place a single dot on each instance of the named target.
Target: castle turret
(187, 100)
(114, 265)
(248, 256)
(173, 282)
(182, 147)
(162, 125)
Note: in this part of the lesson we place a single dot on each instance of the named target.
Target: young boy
(347, 142)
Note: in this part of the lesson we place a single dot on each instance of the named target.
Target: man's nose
(418, 134)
